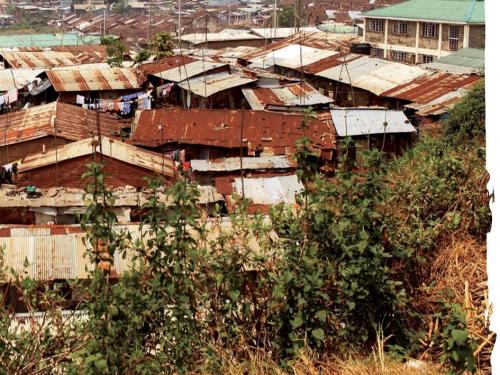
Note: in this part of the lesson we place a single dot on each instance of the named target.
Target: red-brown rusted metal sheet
(262, 131)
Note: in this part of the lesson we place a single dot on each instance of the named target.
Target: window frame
(426, 26)
(453, 41)
(377, 25)
(379, 54)
(400, 28)
(404, 56)
(426, 59)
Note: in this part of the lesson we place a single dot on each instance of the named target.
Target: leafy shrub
(466, 121)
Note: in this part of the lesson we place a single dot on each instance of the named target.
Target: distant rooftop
(46, 40)
(452, 11)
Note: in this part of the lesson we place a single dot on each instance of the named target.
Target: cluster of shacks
(221, 112)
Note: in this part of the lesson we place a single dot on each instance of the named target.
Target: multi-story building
(420, 31)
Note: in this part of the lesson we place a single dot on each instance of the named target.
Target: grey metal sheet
(233, 164)
(270, 190)
(354, 122)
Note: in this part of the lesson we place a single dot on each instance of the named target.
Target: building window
(377, 26)
(427, 59)
(454, 37)
(399, 55)
(378, 52)
(430, 30)
(401, 28)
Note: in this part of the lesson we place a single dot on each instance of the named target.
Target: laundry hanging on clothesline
(123, 105)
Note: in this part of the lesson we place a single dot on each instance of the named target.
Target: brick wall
(18, 151)
(373, 37)
(68, 174)
(429, 43)
(408, 40)
(476, 36)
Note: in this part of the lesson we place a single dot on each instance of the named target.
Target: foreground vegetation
(363, 274)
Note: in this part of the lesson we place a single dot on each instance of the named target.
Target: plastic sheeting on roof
(353, 122)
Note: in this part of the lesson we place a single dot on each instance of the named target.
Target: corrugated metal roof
(435, 93)
(291, 56)
(281, 32)
(189, 70)
(464, 61)
(208, 85)
(225, 36)
(72, 122)
(44, 59)
(373, 74)
(262, 130)
(269, 190)
(112, 148)
(46, 40)
(165, 63)
(319, 40)
(294, 95)
(92, 77)
(17, 78)
(246, 163)
(354, 121)
(53, 256)
(452, 11)
(60, 197)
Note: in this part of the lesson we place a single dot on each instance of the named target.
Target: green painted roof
(337, 28)
(459, 11)
(46, 40)
(470, 57)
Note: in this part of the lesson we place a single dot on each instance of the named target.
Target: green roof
(46, 40)
(470, 57)
(337, 28)
(453, 11)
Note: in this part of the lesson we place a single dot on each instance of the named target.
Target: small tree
(115, 50)
(466, 121)
(286, 16)
(162, 45)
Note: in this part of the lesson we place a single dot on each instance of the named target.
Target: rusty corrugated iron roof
(64, 120)
(165, 63)
(110, 147)
(275, 133)
(43, 59)
(318, 40)
(93, 77)
(428, 88)
(294, 95)
(57, 56)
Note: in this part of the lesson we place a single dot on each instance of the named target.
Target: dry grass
(307, 364)
(458, 275)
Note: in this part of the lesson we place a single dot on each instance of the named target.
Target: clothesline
(122, 105)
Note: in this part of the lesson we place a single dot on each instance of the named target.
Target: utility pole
(275, 17)
(149, 25)
(179, 23)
